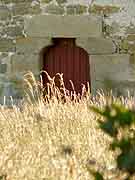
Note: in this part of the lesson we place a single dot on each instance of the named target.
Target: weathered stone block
(97, 45)
(3, 68)
(18, 19)
(14, 30)
(31, 45)
(3, 56)
(5, 13)
(80, 9)
(76, 9)
(54, 9)
(21, 64)
(1, 88)
(65, 26)
(61, 1)
(128, 44)
(10, 93)
(16, 1)
(46, 1)
(35, 9)
(110, 70)
(7, 1)
(130, 30)
(132, 59)
(113, 30)
(103, 9)
(4, 65)
(21, 1)
(2, 31)
(7, 45)
(117, 88)
(70, 10)
(17, 87)
(120, 67)
(21, 8)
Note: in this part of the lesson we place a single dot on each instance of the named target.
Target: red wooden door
(65, 57)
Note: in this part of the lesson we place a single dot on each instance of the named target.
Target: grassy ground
(52, 140)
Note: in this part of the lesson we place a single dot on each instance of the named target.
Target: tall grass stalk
(49, 139)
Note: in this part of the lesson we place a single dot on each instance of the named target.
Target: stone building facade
(27, 26)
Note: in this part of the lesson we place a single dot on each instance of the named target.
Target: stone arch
(69, 26)
(80, 42)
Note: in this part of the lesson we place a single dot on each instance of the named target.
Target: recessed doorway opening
(64, 56)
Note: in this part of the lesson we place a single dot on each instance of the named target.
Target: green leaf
(96, 110)
(109, 128)
(98, 176)
(126, 162)
(3, 177)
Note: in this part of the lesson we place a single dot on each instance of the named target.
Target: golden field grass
(51, 140)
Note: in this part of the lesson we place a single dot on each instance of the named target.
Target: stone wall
(23, 33)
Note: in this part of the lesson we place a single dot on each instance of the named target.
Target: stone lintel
(63, 26)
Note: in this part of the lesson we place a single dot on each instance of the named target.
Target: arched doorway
(65, 57)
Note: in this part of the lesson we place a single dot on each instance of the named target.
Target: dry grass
(52, 140)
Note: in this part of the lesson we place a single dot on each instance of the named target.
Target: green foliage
(118, 123)
(3, 177)
(97, 176)
(116, 117)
